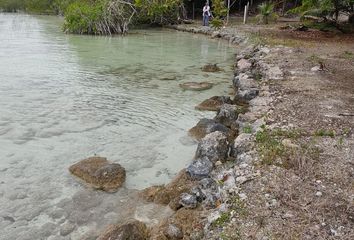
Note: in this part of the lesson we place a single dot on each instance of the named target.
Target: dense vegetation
(115, 16)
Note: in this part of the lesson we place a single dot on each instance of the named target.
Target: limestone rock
(173, 232)
(227, 115)
(247, 95)
(99, 173)
(242, 144)
(244, 81)
(196, 86)
(213, 103)
(244, 65)
(214, 147)
(206, 126)
(188, 200)
(200, 168)
(133, 230)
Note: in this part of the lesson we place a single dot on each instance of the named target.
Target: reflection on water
(66, 97)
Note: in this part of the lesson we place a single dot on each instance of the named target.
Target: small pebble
(318, 194)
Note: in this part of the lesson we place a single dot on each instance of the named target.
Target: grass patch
(314, 59)
(299, 157)
(224, 218)
(347, 55)
(258, 39)
(269, 146)
(324, 133)
(247, 129)
(239, 206)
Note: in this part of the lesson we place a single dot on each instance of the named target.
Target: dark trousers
(205, 20)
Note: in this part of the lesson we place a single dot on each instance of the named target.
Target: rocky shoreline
(209, 191)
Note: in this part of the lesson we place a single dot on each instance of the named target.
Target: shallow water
(64, 98)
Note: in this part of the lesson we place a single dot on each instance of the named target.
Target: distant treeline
(35, 6)
(115, 16)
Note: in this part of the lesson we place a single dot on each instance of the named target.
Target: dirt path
(306, 189)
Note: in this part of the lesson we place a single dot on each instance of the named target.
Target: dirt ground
(307, 190)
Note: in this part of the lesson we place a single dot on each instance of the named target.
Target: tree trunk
(351, 19)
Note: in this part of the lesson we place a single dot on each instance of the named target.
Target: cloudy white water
(64, 98)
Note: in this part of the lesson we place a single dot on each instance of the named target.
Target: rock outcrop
(206, 126)
(213, 103)
(99, 173)
(214, 147)
(133, 230)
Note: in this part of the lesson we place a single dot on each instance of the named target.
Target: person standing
(206, 14)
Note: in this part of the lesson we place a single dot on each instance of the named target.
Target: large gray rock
(214, 147)
(227, 115)
(243, 143)
(199, 168)
(247, 95)
(246, 87)
(99, 173)
(133, 230)
(188, 200)
(243, 82)
(206, 126)
(243, 65)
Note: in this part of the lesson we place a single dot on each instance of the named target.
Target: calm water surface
(64, 98)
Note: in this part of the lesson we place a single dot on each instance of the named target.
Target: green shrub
(216, 22)
(99, 17)
(158, 11)
(266, 13)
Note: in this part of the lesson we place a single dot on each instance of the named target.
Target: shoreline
(204, 194)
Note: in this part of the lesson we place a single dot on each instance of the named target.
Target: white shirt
(206, 9)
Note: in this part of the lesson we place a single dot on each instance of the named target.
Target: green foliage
(35, 6)
(325, 9)
(325, 133)
(98, 17)
(269, 146)
(39, 6)
(158, 11)
(247, 129)
(224, 218)
(219, 8)
(81, 17)
(216, 22)
(266, 13)
(12, 5)
(219, 12)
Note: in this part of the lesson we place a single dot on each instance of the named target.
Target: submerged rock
(200, 168)
(213, 103)
(133, 230)
(206, 126)
(214, 147)
(211, 68)
(99, 173)
(196, 86)
(170, 193)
